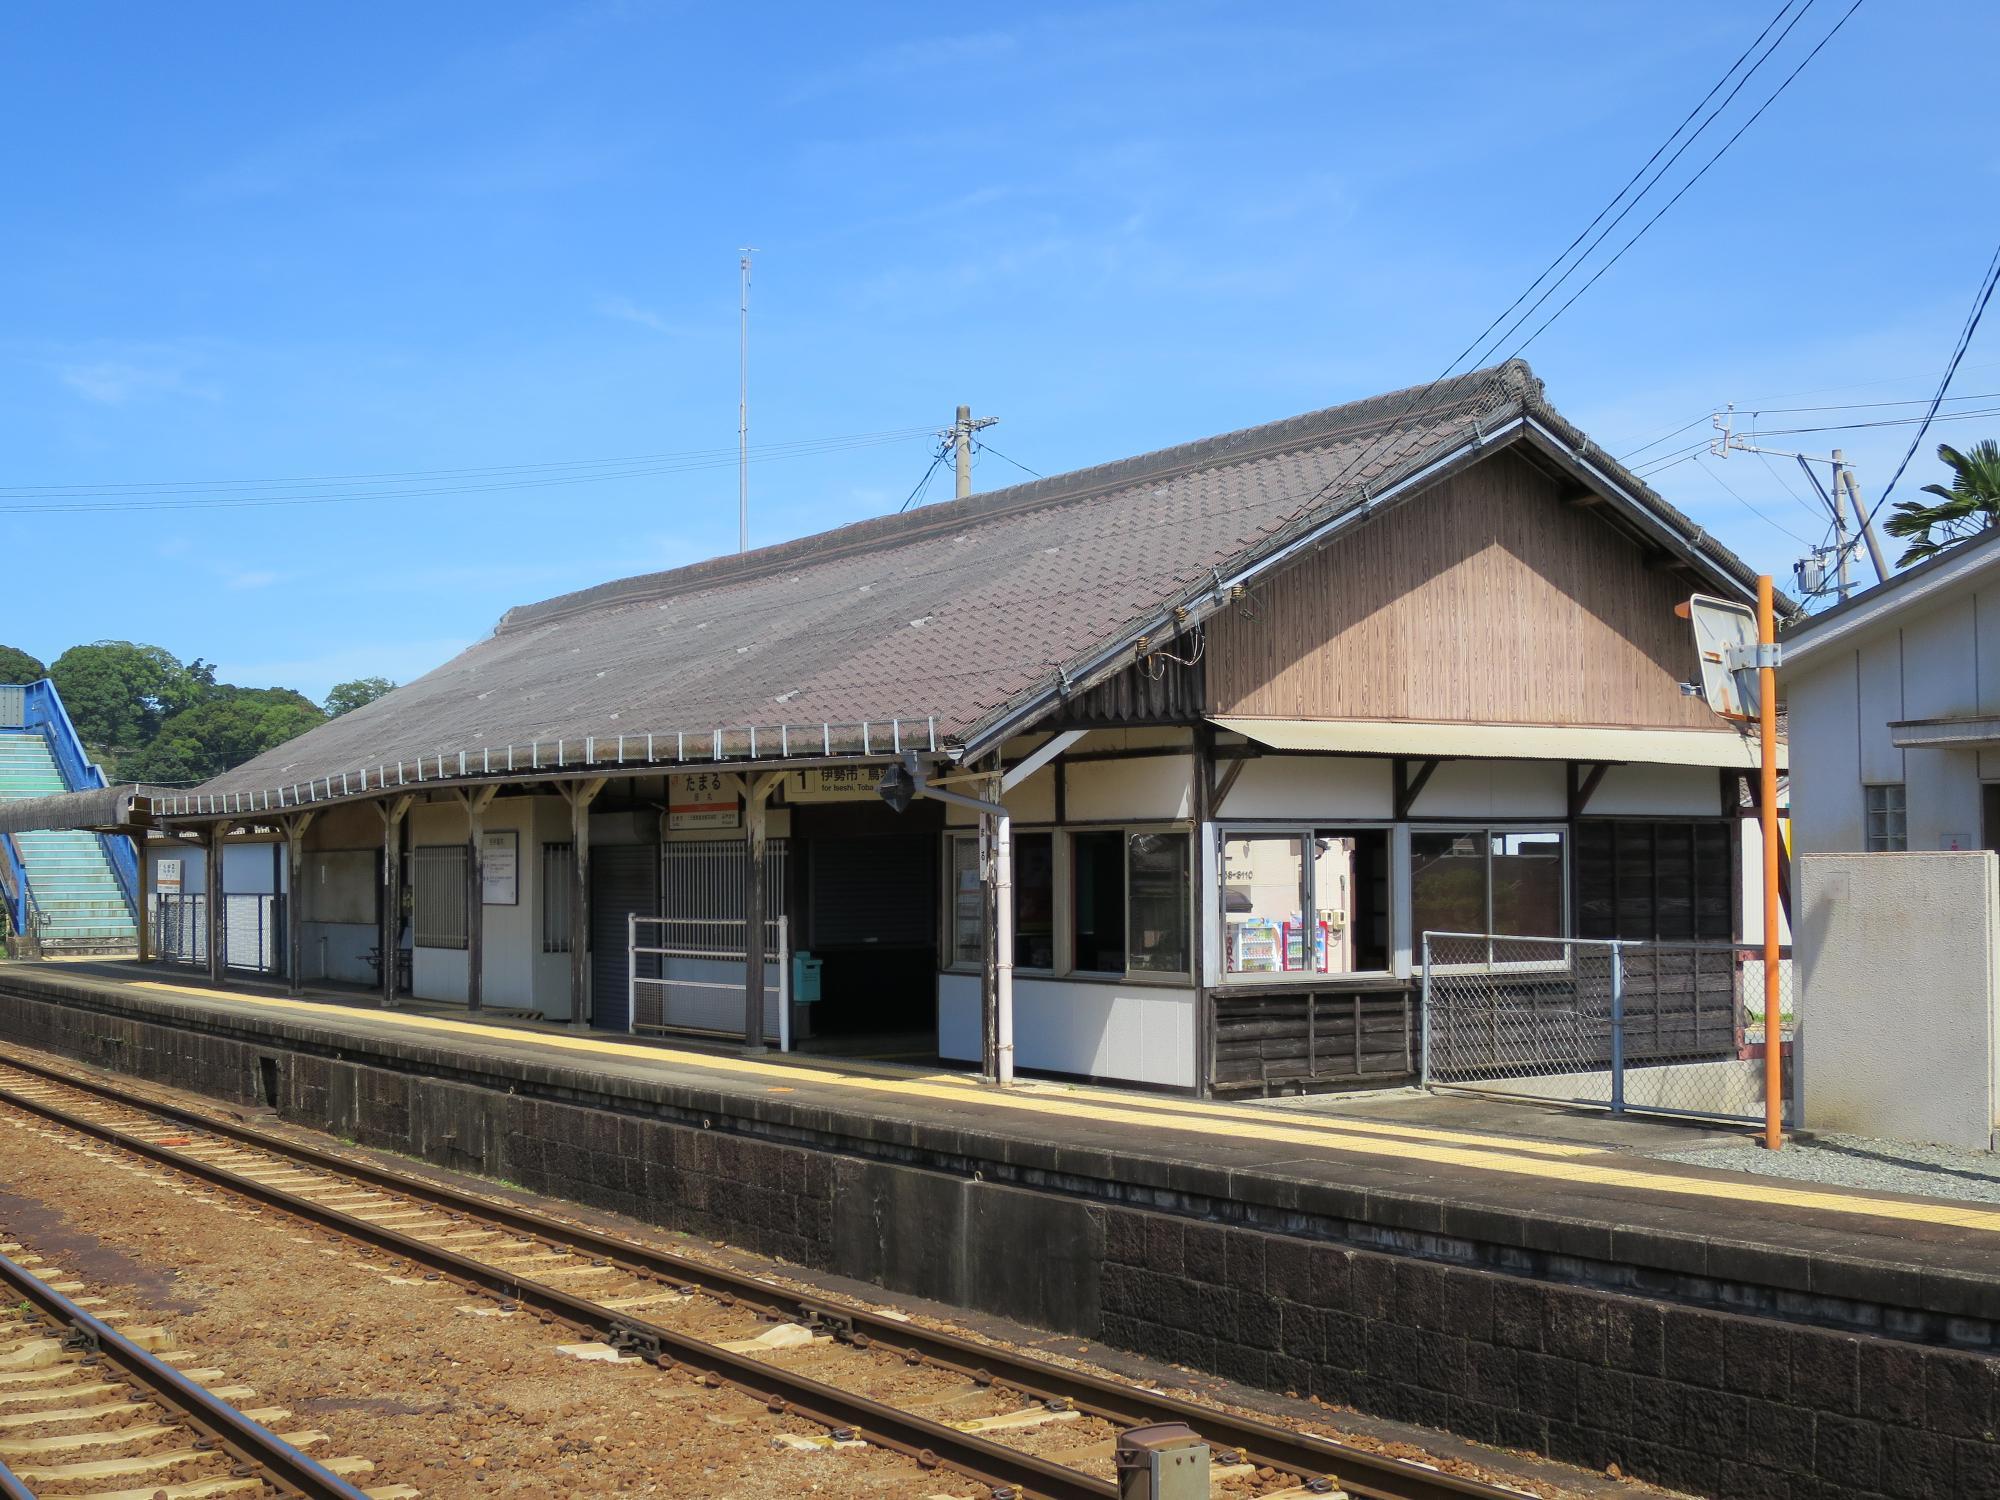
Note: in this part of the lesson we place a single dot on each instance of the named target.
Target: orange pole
(1767, 773)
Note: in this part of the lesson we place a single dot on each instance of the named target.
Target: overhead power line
(1702, 172)
(410, 484)
(1563, 264)
(1979, 301)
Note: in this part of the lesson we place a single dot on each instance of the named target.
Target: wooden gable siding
(1487, 600)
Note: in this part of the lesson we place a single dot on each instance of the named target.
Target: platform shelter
(1153, 772)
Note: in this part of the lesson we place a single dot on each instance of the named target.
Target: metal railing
(1654, 1027)
(43, 710)
(693, 958)
(253, 930)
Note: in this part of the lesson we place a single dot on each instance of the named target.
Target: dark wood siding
(1285, 1040)
(1668, 879)
(1137, 696)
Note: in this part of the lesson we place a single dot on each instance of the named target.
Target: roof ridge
(1513, 377)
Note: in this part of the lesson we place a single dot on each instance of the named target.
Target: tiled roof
(954, 611)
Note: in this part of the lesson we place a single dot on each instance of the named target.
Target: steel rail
(1366, 1475)
(248, 1442)
(781, 1391)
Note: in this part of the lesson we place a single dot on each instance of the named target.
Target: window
(556, 867)
(1989, 814)
(440, 896)
(1097, 902)
(1129, 899)
(965, 906)
(1482, 880)
(1306, 901)
(1888, 819)
(1157, 920)
(1034, 901)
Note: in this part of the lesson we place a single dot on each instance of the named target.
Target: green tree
(348, 696)
(18, 667)
(119, 693)
(228, 727)
(1966, 508)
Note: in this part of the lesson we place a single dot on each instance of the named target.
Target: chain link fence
(1653, 1027)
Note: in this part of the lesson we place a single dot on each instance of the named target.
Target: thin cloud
(627, 311)
(113, 382)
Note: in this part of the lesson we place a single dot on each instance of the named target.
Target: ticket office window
(1298, 902)
(1126, 904)
(1504, 881)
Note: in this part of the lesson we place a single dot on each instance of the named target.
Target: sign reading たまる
(703, 799)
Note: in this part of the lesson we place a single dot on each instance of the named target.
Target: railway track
(87, 1411)
(1014, 1424)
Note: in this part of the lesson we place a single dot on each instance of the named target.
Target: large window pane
(967, 898)
(1263, 897)
(1447, 882)
(1350, 897)
(1160, 895)
(1097, 897)
(1527, 882)
(1034, 901)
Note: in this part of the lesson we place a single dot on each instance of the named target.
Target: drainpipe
(1003, 944)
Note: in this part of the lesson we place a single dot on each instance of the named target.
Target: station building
(1261, 710)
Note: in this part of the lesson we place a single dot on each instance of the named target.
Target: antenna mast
(743, 402)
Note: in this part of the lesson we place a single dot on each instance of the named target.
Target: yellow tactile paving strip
(1185, 1119)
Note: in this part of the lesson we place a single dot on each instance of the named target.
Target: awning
(1969, 732)
(1661, 747)
(104, 809)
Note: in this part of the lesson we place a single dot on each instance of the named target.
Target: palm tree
(1970, 506)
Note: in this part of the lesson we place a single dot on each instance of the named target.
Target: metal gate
(684, 967)
(1652, 1027)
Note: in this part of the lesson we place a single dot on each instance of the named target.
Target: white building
(1894, 703)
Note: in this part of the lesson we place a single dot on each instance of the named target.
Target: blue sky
(256, 243)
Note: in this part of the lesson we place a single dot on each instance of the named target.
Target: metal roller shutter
(624, 879)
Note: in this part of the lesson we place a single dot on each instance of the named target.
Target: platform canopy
(1659, 747)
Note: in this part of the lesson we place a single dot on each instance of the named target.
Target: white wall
(1657, 792)
(1896, 966)
(1495, 789)
(1311, 786)
(1139, 1033)
(1940, 662)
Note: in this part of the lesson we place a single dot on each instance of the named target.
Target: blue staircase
(77, 900)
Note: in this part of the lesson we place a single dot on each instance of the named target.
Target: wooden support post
(1583, 786)
(295, 863)
(212, 904)
(393, 811)
(580, 794)
(476, 801)
(142, 917)
(756, 802)
(1409, 787)
(989, 931)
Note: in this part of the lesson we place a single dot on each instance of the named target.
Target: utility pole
(960, 434)
(743, 401)
(1835, 500)
(1843, 554)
